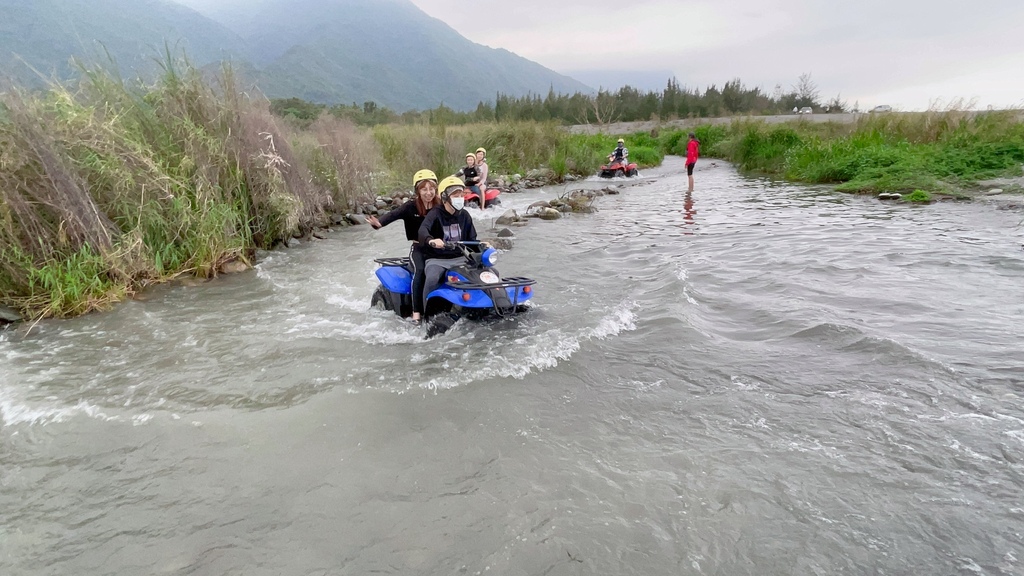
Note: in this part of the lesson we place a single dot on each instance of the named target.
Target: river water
(758, 379)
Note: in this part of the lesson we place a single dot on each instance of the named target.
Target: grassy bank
(113, 186)
(936, 152)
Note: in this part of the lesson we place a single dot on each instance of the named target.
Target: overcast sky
(910, 54)
(907, 53)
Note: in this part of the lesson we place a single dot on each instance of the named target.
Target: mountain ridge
(324, 51)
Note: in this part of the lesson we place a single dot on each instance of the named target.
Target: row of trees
(626, 104)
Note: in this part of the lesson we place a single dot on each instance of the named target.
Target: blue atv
(462, 287)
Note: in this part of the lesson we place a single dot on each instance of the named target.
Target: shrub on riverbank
(113, 186)
(937, 151)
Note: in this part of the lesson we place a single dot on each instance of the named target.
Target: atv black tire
(380, 300)
(620, 173)
(633, 172)
(472, 204)
(440, 324)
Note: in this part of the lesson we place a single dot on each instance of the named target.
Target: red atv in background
(616, 168)
(490, 197)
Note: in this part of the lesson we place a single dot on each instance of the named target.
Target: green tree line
(627, 104)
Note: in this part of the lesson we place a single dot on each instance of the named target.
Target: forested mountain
(328, 51)
(45, 34)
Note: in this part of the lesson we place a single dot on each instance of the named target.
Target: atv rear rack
(403, 262)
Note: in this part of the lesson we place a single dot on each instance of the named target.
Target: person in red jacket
(692, 152)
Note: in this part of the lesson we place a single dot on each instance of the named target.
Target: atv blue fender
(395, 278)
(478, 298)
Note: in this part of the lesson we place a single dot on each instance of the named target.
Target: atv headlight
(490, 257)
(489, 277)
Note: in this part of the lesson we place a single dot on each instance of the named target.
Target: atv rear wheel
(620, 173)
(633, 172)
(380, 299)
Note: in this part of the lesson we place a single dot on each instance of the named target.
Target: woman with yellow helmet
(412, 214)
(482, 168)
(448, 222)
(470, 174)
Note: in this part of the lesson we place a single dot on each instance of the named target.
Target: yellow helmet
(621, 141)
(482, 149)
(470, 155)
(423, 175)
(450, 182)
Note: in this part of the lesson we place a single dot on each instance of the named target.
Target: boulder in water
(506, 233)
(9, 315)
(355, 219)
(234, 267)
(507, 218)
(549, 214)
(500, 243)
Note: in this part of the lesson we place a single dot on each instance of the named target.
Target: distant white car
(806, 110)
(882, 108)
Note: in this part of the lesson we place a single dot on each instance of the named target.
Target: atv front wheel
(440, 324)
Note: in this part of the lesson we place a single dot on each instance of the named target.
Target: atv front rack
(404, 261)
(510, 282)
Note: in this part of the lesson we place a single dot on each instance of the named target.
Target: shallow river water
(757, 379)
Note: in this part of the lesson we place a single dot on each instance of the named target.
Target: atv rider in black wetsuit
(470, 173)
(620, 154)
(448, 222)
(412, 214)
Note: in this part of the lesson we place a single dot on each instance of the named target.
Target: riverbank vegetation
(937, 152)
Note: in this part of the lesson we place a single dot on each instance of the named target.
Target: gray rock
(549, 214)
(233, 267)
(519, 224)
(610, 191)
(9, 316)
(994, 192)
(516, 178)
(507, 218)
(381, 205)
(539, 204)
(564, 208)
(338, 219)
(292, 242)
(355, 219)
(586, 210)
(500, 243)
(506, 233)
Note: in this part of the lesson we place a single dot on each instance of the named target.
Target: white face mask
(458, 203)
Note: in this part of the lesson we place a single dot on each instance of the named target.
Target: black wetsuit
(409, 215)
(448, 227)
(470, 175)
(620, 154)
